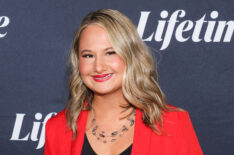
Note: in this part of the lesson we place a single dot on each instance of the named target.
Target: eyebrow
(108, 48)
(86, 50)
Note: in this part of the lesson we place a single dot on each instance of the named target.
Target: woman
(116, 105)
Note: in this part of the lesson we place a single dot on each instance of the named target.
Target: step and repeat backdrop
(191, 40)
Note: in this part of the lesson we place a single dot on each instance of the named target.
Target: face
(101, 68)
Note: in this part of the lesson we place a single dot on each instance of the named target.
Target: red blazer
(181, 138)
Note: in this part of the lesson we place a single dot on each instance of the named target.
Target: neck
(107, 106)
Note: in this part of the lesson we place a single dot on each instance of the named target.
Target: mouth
(102, 77)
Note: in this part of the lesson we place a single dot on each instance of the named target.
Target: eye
(87, 56)
(111, 53)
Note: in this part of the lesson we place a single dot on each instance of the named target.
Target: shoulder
(175, 117)
(178, 125)
(175, 121)
(57, 120)
(177, 134)
(177, 114)
(57, 130)
(57, 124)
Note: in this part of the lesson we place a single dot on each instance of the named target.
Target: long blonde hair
(140, 81)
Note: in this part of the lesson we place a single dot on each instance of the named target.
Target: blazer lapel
(77, 144)
(142, 136)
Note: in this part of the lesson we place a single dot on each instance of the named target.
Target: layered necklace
(114, 135)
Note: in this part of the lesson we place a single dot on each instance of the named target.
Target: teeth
(104, 77)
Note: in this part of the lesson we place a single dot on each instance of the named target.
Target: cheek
(118, 64)
(83, 67)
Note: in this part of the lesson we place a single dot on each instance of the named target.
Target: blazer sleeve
(186, 137)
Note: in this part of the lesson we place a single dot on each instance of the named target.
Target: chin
(105, 91)
(102, 92)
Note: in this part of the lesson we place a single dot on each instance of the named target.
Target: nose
(99, 64)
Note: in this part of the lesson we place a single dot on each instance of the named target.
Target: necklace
(113, 136)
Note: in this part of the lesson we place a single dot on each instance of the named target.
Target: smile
(102, 78)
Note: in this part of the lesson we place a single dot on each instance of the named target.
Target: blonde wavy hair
(140, 81)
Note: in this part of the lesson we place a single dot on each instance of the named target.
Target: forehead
(94, 37)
